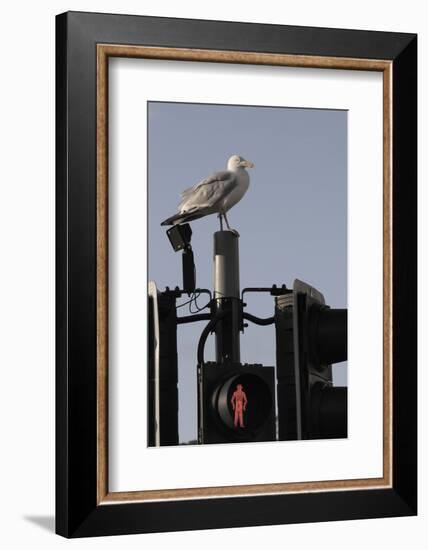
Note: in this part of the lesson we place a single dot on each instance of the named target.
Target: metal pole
(226, 295)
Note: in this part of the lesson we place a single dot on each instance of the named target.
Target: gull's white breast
(242, 184)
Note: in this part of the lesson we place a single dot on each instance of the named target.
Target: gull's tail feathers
(183, 218)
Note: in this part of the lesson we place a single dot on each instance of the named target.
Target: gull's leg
(221, 221)
(227, 223)
(228, 226)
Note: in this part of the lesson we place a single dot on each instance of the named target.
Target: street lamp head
(180, 236)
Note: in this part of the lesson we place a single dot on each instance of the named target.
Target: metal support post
(227, 296)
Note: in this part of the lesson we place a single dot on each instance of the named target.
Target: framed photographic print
(230, 199)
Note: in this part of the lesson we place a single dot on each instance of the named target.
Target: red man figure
(239, 405)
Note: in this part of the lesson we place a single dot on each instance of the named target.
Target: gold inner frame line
(104, 51)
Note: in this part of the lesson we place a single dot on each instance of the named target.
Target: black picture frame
(78, 511)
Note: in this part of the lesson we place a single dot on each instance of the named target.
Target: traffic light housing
(218, 421)
(162, 368)
(310, 337)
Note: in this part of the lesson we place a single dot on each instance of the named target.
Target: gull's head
(236, 162)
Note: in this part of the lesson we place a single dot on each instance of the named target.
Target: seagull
(216, 194)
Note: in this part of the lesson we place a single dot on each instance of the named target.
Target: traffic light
(236, 403)
(310, 337)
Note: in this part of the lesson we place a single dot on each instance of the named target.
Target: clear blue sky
(292, 221)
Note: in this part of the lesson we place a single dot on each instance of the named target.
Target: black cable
(196, 304)
(205, 333)
(194, 298)
(194, 317)
(258, 320)
(188, 301)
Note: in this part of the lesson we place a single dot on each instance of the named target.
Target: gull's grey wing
(222, 175)
(207, 192)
